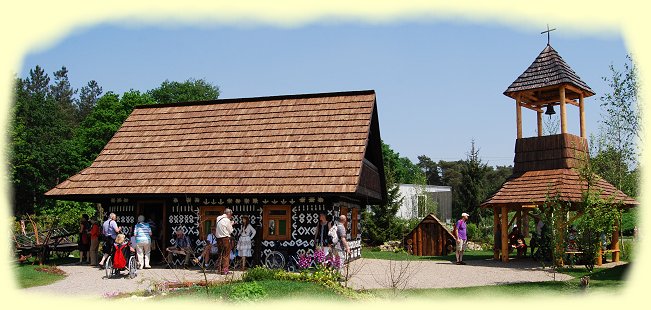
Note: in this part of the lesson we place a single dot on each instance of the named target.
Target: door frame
(163, 202)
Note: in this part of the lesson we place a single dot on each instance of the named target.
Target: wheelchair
(131, 263)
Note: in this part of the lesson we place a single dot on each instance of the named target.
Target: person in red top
(94, 241)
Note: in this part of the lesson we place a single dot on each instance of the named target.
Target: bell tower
(549, 83)
(544, 166)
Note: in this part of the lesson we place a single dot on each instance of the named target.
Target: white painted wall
(410, 192)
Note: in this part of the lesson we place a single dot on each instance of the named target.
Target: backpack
(332, 233)
(119, 261)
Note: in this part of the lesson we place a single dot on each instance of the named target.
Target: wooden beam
(582, 116)
(572, 102)
(518, 117)
(539, 116)
(530, 106)
(563, 110)
(505, 235)
(525, 225)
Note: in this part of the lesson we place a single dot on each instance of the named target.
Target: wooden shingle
(314, 143)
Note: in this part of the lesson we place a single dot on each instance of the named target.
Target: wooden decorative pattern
(274, 145)
(548, 69)
(429, 238)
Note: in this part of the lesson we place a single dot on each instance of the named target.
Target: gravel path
(90, 281)
(375, 273)
(367, 274)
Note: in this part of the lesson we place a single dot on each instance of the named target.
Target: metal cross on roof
(548, 31)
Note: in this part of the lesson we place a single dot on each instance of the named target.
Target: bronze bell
(550, 110)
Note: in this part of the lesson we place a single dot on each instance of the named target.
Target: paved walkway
(376, 273)
(366, 274)
(86, 280)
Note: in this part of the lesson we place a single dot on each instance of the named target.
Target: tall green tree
(473, 188)
(62, 94)
(614, 152)
(38, 153)
(431, 170)
(88, 97)
(189, 90)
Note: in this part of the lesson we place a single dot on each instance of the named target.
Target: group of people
(218, 242)
(324, 241)
(91, 235)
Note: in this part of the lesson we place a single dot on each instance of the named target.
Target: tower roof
(549, 69)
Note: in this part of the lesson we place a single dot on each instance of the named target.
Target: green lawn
(370, 252)
(601, 279)
(29, 275)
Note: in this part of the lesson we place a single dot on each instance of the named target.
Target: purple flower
(304, 261)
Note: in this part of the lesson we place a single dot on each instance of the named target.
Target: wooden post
(540, 123)
(582, 116)
(563, 112)
(496, 226)
(518, 116)
(525, 224)
(614, 244)
(505, 235)
(420, 241)
(599, 255)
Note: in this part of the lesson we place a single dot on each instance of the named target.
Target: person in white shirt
(223, 232)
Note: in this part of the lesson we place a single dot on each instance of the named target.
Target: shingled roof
(533, 188)
(313, 143)
(549, 69)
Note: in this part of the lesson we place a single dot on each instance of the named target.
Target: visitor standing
(95, 233)
(224, 230)
(461, 238)
(247, 232)
(143, 233)
(83, 244)
(342, 248)
(110, 231)
(321, 240)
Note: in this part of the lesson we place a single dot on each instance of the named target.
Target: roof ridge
(262, 98)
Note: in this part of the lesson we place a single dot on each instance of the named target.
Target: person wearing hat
(461, 237)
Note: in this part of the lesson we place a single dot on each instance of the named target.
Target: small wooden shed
(429, 238)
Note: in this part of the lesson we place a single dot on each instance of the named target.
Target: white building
(415, 198)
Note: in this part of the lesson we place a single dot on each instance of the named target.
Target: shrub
(259, 273)
(247, 291)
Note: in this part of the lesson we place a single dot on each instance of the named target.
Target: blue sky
(439, 84)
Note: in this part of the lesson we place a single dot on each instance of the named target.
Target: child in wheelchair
(122, 257)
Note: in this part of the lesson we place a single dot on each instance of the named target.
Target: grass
(29, 275)
(601, 279)
(260, 291)
(371, 252)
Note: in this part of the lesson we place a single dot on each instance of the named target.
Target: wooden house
(429, 238)
(546, 166)
(280, 160)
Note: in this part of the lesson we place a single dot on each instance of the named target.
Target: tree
(472, 190)
(62, 94)
(430, 169)
(88, 96)
(614, 150)
(38, 132)
(104, 121)
(189, 90)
